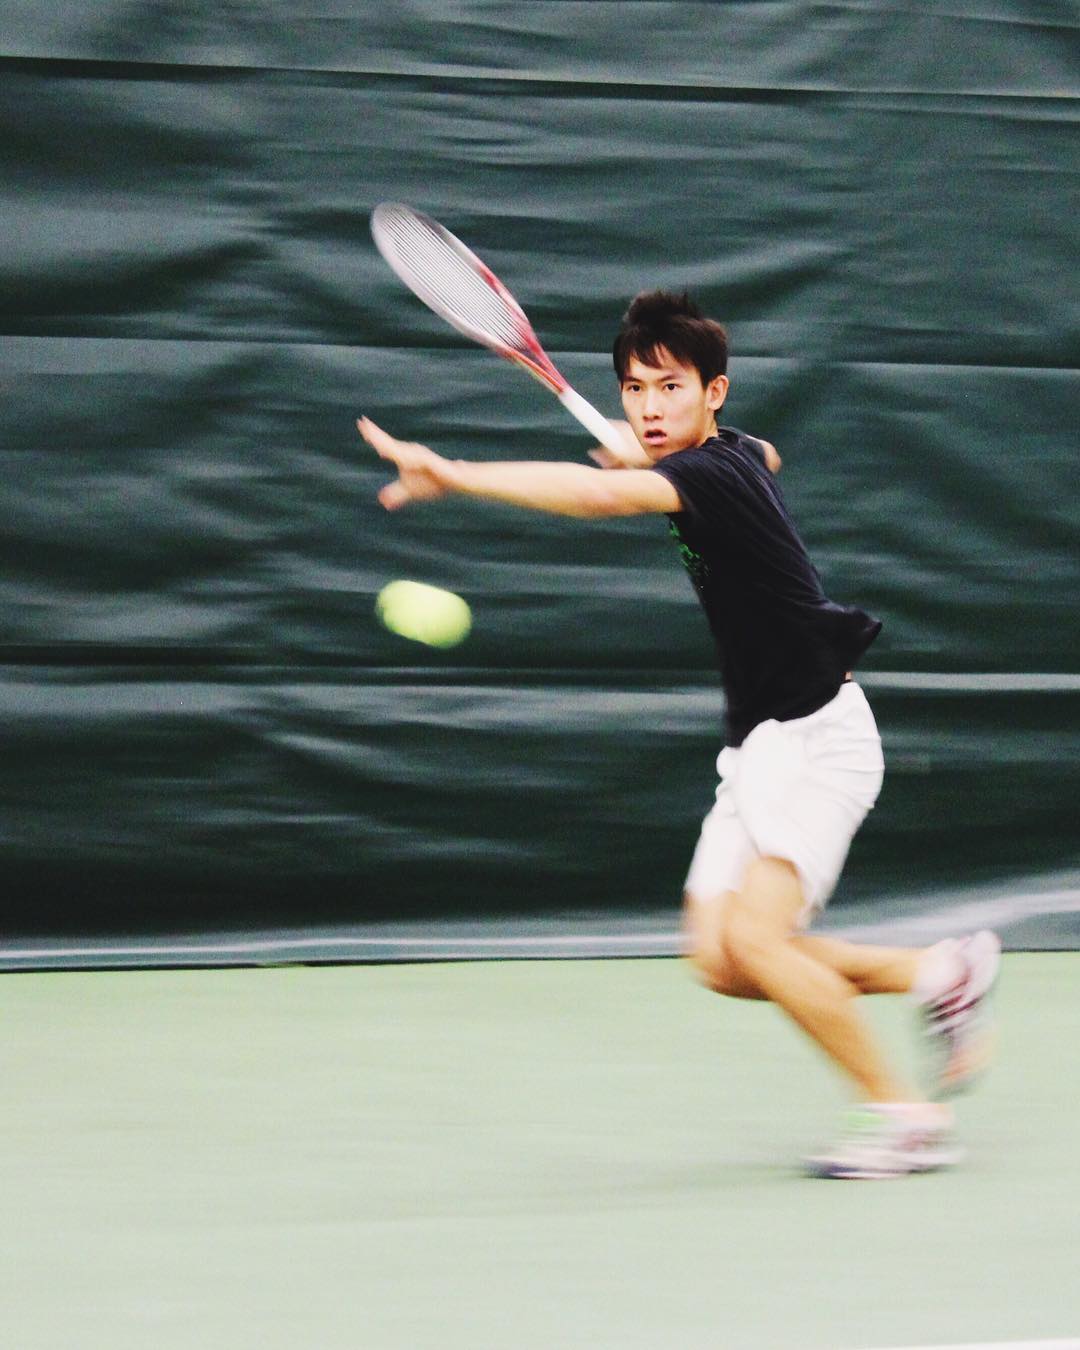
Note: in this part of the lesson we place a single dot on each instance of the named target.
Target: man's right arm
(561, 489)
(568, 489)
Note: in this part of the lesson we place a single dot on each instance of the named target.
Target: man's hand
(423, 476)
(773, 462)
(633, 457)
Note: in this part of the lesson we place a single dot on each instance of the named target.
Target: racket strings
(447, 282)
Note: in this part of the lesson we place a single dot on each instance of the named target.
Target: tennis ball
(424, 613)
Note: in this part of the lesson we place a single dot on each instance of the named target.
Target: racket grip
(592, 420)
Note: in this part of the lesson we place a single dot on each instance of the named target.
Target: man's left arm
(769, 454)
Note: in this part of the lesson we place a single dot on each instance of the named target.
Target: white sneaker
(880, 1143)
(958, 1020)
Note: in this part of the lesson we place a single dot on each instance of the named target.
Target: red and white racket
(451, 280)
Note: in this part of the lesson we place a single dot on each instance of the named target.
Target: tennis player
(802, 765)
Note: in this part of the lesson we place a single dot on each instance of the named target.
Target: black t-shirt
(784, 647)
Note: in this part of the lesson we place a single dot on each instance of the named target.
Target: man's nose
(652, 403)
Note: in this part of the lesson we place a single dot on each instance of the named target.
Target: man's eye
(671, 384)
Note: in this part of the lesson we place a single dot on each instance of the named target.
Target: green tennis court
(536, 1154)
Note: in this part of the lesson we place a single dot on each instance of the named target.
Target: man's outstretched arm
(562, 489)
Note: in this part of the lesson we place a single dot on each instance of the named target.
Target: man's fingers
(631, 457)
(393, 495)
(602, 456)
(389, 447)
(405, 454)
(423, 475)
(380, 441)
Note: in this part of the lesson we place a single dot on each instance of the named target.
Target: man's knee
(746, 928)
(716, 971)
(752, 933)
(708, 953)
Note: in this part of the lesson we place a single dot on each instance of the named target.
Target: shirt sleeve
(701, 478)
(756, 447)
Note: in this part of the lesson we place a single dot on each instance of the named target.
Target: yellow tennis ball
(424, 613)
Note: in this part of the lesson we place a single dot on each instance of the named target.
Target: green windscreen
(205, 723)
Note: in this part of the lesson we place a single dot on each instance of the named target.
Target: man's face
(668, 407)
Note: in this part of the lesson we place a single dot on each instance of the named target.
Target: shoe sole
(823, 1170)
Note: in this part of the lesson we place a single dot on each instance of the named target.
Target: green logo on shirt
(694, 563)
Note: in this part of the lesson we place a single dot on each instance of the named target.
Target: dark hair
(661, 320)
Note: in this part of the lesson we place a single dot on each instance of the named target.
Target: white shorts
(796, 790)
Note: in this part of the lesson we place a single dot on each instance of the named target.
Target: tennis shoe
(958, 1021)
(882, 1143)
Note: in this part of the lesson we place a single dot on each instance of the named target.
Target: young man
(802, 765)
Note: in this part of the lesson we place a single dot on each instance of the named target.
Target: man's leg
(950, 980)
(746, 945)
(759, 938)
(872, 970)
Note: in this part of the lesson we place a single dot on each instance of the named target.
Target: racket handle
(593, 421)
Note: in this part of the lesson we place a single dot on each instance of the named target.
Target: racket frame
(528, 353)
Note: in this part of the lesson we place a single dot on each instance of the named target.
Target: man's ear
(716, 392)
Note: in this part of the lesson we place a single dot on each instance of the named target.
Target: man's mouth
(655, 434)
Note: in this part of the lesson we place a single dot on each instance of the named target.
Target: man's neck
(713, 432)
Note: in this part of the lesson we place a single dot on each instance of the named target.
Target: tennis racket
(452, 280)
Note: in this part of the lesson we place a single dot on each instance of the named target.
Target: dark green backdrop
(203, 722)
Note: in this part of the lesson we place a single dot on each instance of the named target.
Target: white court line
(1072, 1343)
(630, 940)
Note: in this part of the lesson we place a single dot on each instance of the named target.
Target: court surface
(527, 1154)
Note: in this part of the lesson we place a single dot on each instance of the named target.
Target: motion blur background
(204, 725)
